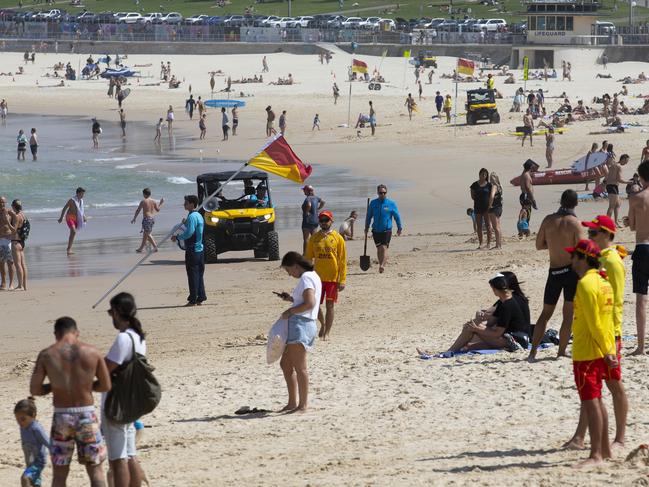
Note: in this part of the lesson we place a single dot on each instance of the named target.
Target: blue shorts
(301, 330)
(33, 473)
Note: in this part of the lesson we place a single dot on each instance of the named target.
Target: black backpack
(23, 232)
(135, 390)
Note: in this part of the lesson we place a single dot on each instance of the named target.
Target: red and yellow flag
(278, 158)
(359, 66)
(464, 66)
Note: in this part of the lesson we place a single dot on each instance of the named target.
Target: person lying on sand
(510, 80)
(506, 325)
(605, 76)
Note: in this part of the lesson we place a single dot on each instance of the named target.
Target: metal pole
(220, 189)
(141, 261)
(349, 102)
(455, 121)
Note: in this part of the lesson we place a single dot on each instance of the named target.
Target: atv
(481, 105)
(238, 218)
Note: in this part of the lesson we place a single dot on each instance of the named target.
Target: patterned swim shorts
(147, 224)
(80, 427)
(33, 474)
(5, 250)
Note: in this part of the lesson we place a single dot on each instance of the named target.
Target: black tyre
(370, 86)
(273, 245)
(495, 117)
(470, 118)
(210, 249)
(261, 254)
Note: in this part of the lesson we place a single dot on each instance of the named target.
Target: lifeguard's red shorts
(616, 373)
(329, 292)
(589, 375)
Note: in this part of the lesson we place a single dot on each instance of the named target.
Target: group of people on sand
(14, 231)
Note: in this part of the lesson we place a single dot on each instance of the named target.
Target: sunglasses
(593, 231)
(110, 312)
(383, 192)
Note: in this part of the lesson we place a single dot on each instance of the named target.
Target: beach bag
(23, 232)
(277, 337)
(135, 390)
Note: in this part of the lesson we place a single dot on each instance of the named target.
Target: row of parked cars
(306, 21)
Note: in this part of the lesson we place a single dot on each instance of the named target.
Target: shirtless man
(122, 121)
(6, 231)
(149, 208)
(645, 153)
(527, 187)
(613, 180)
(75, 217)
(528, 124)
(639, 223)
(71, 367)
(558, 231)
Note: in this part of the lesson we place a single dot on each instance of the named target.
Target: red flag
(278, 158)
(359, 66)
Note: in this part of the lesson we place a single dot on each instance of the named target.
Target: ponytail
(292, 258)
(124, 305)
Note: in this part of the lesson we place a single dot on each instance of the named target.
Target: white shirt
(122, 349)
(308, 280)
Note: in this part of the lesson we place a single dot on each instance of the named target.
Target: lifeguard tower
(555, 23)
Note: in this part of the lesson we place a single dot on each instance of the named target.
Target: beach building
(552, 24)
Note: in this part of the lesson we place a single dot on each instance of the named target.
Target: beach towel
(488, 351)
(80, 212)
(277, 337)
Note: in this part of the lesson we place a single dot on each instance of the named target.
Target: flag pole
(455, 121)
(349, 102)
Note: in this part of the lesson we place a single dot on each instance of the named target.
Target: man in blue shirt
(380, 214)
(194, 257)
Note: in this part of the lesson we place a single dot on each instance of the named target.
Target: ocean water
(114, 176)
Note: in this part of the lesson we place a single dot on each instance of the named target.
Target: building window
(540, 23)
(561, 23)
(569, 23)
(549, 22)
(532, 23)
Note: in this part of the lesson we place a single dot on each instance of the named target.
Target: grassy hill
(512, 10)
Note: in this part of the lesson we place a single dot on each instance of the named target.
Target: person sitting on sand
(510, 80)
(362, 121)
(505, 325)
(642, 77)
(173, 82)
(346, 229)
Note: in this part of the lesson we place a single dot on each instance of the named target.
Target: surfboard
(125, 93)
(540, 132)
(225, 103)
(589, 161)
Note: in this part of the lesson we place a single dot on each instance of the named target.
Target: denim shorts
(302, 330)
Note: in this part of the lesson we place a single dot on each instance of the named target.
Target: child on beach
(158, 130)
(523, 224)
(316, 122)
(34, 441)
(149, 207)
(346, 229)
(471, 214)
(201, 126)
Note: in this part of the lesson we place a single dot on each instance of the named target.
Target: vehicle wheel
(370, 86)
(209, 247)
(273, 245)
(377, 87)
(261, 254)
(470, 119)
(495, 117)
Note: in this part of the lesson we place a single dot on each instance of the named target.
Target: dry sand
(379, 415)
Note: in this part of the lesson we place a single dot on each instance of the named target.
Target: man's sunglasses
(383, 192)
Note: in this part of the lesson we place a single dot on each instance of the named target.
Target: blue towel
(489, 351)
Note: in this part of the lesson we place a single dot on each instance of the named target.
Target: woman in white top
(170, 119)
(120, 438)
(302, 328)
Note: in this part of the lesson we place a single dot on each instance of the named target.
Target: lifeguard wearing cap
(601, 222)
(585, 247)
(326, 214)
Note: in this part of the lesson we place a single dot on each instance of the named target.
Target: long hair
(124, 305)
(495, 180)
(292, 258)
(513, 284)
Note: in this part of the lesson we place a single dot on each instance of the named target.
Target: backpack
(23, 232)
(135, 390)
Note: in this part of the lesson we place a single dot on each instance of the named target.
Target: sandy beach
(379, 415)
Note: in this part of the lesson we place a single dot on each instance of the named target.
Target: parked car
(85, 17)
(401, 24)
(197, 19)
(352, 23)
(215, 20)
(49, 15)
(492, 25)
(371, 23)
(172, 18)
(234, 21)
(336, 22)
(391, 24)
(604, 28)
(448, 25)
(302, 21)
(129, 18)
(152, 18)
(281, 22)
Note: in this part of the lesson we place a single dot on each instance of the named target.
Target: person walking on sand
(448, 105)
(235, 119)
(282, 122)
(224, 123)
(264, 65)
(18, 244)
(380, 215)
(481, 191)
(336, 93)
(190, 103)
(439, 103)
(613, 179)
(122, 121)
(96, 132)
(125, 470)
(311, 206)
(495, 208)
(200, 105)
(638, 221)
(328, 252)
(75, 370)
(7, 219)
(602, 231)
(270, 122)
(420, 89)
(593, 346)
(4, 110)
(33, 144)
(410, 105)
(202, 126)
(316, 123)
(372, 118)
(192, 237)
(158, 130)
(149, 207)
(527, 186)
(75, 218)
(302, 328)
(22, 144)
(170, 120)
(528, 127)
(34, 441)
(549, 146)
(558, 231)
